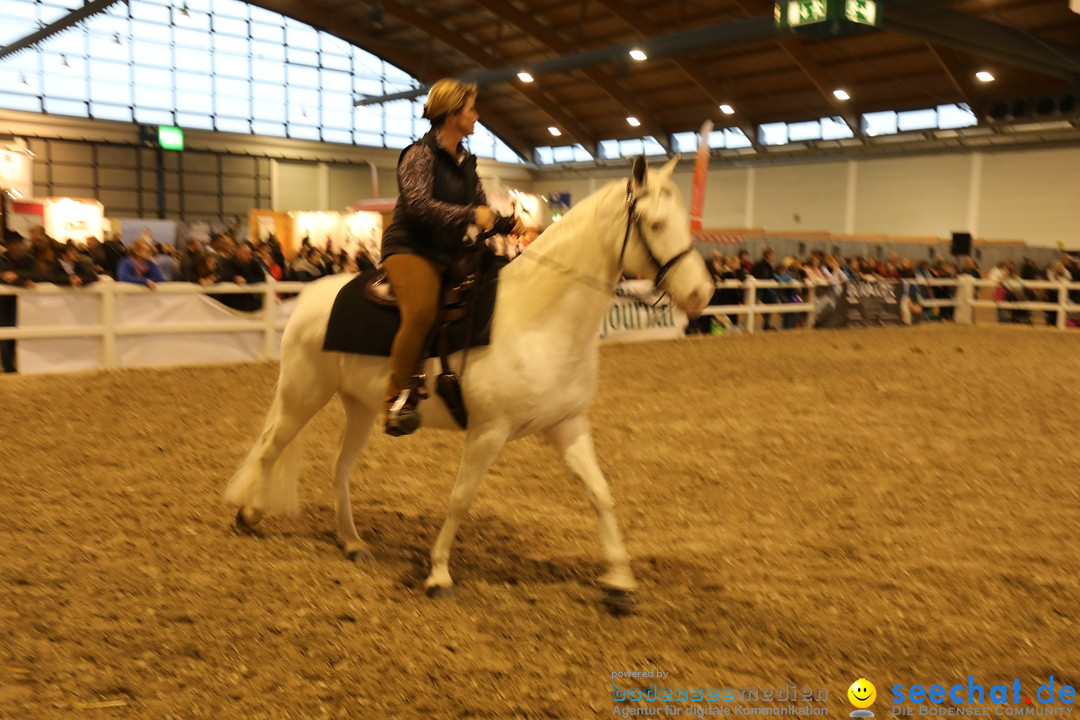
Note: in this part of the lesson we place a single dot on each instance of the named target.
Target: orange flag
(701, 167)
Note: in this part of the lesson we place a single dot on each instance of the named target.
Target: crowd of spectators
(39, 258)
(1011, 284)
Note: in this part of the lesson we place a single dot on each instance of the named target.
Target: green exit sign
(827, 18)
(170, 137)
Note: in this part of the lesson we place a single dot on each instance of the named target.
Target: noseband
(634, 220)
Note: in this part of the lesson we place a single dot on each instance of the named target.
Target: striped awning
(704, 236)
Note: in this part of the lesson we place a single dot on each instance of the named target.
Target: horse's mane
(547, 267)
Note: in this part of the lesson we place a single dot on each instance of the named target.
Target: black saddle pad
(359, 326)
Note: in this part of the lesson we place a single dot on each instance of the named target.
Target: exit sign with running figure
(827, 18)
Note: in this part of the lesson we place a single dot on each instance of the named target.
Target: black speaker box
(961, 243)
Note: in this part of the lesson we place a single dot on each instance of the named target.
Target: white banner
(635, 314)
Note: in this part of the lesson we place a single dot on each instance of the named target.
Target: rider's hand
(519, 227)
(485, 218)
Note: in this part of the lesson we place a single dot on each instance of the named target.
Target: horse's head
(658, 244)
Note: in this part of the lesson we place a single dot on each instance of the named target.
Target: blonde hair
(447, 96)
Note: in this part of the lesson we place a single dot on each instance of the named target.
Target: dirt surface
(803, 509)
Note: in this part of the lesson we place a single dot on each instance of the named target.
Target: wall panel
(917, 196)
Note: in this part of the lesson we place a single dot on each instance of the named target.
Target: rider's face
(465, 119)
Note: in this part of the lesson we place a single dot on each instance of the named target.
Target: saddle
(461, 284)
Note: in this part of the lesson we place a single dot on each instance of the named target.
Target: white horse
(537, 375)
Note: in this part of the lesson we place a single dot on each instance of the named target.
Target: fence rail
(965, 300)
(268, 322)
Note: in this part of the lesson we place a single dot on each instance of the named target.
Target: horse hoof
(441, 591)
(242, 524)
(618, 602)
(359, 555)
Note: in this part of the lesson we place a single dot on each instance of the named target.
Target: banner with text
(859, 304)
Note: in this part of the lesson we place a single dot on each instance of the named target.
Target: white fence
(110, 324)
(964, 301)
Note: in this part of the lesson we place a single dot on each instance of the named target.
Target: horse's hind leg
(267, 478)
(573, 440)
(481, 448)
(359, 420)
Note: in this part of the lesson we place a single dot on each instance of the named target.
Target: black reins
(634, 220)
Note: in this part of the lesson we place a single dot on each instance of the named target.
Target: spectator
(267, 262)
(43, 248)
(165, 258)
(763, 270)
(305, 266)
(243, 269)
(207, 270)
(189, 261)
(19, 269)
(783, 274)
(71, 269)
(114, 252)
(138, 268)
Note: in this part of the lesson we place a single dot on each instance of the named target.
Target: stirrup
(401, 418)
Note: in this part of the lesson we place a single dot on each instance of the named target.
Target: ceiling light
(634, 122)
(525, 77)
(841, 95)
(638, 55)
(984, 76)
(727, 109)
(555, 131)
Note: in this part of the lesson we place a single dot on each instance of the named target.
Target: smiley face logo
(862, 693)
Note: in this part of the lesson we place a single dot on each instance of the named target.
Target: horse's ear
(640, 169)
(664, 173)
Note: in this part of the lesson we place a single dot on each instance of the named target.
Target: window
(212, 64)
(773, 134)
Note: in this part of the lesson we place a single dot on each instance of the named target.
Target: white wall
(1031, 195)
(920, 196)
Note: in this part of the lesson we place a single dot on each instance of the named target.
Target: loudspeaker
(961, 243)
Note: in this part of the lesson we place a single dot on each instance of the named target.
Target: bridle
(633, 220)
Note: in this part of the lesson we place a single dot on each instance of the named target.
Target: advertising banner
(635, 314)
(859, 304)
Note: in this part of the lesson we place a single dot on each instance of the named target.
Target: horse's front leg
(481, 449)
(574, 442)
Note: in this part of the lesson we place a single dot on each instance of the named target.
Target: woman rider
(439, 196)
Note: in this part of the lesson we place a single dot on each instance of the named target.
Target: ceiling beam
(821, 79)
(960, 76)
(408, 59)
(712, 37)
(715, 90)
(72, 18)
(573, 129)
(991, 40)
(603, 80)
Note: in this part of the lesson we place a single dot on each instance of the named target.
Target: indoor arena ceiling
(705, 53)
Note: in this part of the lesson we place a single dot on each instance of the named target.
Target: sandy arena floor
(804, 508)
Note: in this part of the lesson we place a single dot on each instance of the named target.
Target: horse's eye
(657, 226)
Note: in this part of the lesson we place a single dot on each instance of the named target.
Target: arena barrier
(964, 302)
(118, 325)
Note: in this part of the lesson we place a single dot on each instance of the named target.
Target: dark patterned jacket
(436, 201)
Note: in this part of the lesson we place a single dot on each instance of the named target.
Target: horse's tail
(267, 481)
